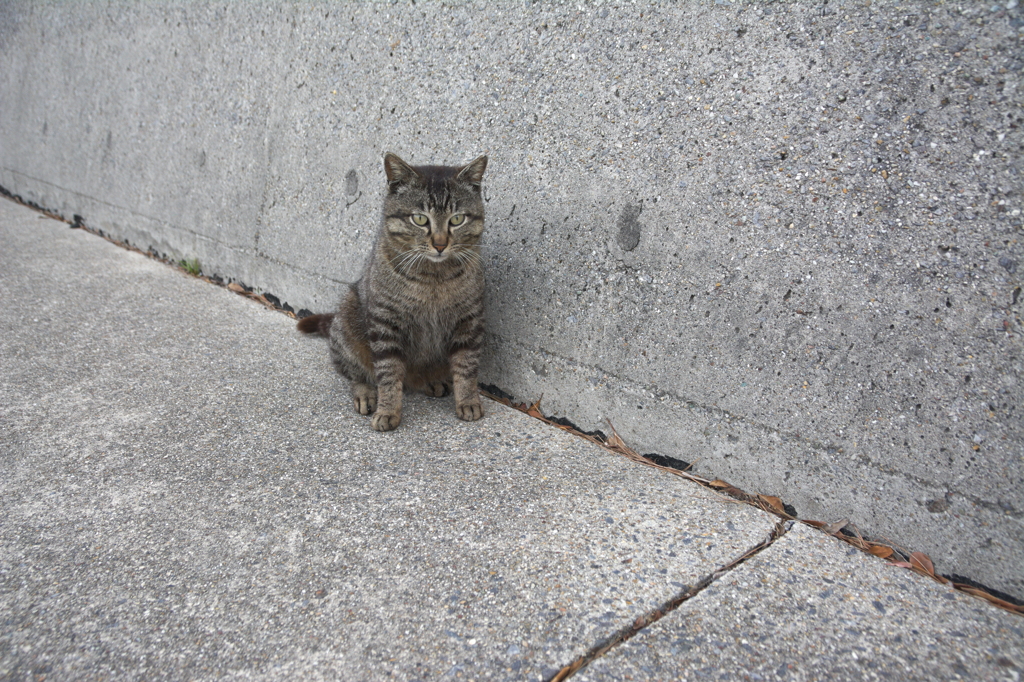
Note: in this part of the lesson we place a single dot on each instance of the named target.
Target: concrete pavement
(185, 493)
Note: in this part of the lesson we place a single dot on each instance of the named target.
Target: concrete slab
(810, 607)
(185, 494)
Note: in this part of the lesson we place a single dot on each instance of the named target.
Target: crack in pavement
(651, 617)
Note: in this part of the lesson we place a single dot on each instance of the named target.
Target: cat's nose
(440, 247)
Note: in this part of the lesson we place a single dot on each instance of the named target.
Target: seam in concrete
(254, 251)
(651, 617)
(730, 418)
(229, 284)
(657, 391)
(213, 278)
(93, 199)
(301, 270)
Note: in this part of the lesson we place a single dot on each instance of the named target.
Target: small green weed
(191, 266)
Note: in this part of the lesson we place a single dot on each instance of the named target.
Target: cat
(415, 318)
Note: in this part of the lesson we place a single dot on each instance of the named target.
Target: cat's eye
(419, 219)
(457, 220)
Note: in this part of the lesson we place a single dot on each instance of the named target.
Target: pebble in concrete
(810, 607)
(186, 494)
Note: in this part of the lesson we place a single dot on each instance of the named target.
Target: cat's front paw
(366, 404)
(437, 389)
(365, 398)
(386, 421)
(469, 411)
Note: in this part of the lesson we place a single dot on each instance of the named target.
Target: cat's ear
(399, 172)
(473, 172)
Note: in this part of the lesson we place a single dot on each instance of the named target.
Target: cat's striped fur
(415, 317)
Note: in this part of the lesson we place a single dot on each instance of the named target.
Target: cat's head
(433, 213)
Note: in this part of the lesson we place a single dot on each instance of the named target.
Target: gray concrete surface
(780, 240)
(813, 608)
(185, 494)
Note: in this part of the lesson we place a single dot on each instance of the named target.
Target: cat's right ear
(399, 172)
(473, 172)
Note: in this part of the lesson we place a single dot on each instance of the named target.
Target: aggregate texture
(779, 240)
(812, 608)
(187, 493)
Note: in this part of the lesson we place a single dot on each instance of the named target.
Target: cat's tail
(316, 324)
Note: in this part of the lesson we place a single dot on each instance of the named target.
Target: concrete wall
(780, 241)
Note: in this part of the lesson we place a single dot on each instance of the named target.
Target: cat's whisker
(404, 264)
(402, 257)
(467, 255)
(413, 262)
(408, 260)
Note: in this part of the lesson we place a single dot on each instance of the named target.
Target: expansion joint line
(651, 617)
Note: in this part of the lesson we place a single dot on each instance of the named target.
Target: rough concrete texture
(780, 241)
(812, 608)
(239, 519)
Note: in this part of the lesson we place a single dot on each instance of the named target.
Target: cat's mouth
(437, 257)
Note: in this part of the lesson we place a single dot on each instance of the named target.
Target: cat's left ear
(399, 172)
(473, 172)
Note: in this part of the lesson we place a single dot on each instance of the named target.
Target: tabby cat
(415, 318)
